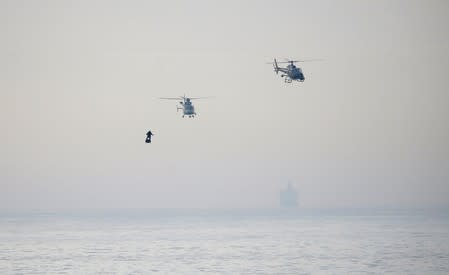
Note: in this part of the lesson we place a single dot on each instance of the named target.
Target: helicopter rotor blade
(204, 97)
(295, 61)
(310, 60)
(185, 98)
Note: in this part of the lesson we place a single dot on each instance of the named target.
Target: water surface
(231, 242)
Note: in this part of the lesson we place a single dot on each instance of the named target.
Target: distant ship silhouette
(288, 197)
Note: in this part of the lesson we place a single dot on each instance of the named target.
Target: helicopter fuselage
(291, 72)
(186, 105)
(187, 108)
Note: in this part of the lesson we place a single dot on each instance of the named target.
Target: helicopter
(186, 105)
(291, 72)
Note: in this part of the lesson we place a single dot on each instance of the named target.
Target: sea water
(229, 242)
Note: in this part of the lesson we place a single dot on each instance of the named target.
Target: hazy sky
(79, 82)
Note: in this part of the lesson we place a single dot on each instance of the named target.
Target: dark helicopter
(291, 72)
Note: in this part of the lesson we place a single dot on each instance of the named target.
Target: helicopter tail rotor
(275, 65)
